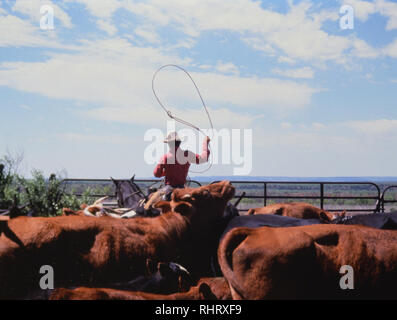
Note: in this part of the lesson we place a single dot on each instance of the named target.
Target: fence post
(322, 195)
(264, 193)
(382, 202)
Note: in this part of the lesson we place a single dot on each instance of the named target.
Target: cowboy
(174, 165)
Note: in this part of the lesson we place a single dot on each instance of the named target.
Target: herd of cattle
(199, 247)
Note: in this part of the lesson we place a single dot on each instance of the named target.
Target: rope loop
(184, 122)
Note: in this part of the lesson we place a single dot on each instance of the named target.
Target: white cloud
(227, 67)
(21, 33)
(306, 140)
(260, 44)
(25, 107)
(297, 33)
(283, 59)
(286, 125)
(153, 116)
(115, 73)
(318, 126)
(294, 35)
(301, 127)
(147, 33)
(103, 9)
(31, 8)
(326, 149)
(304, 73)
(94, 138)
(380, 126)
(362, 9)
(107, 26)
(391, 49)
(362, 50)
(388, 9)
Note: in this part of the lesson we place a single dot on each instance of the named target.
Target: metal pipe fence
(262, 192)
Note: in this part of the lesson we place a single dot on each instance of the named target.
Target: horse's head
(128, 193)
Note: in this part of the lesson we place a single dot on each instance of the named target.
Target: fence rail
(318, 191)
(321, 196)
(383, 201)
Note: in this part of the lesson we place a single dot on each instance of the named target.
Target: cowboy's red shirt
(174, 166)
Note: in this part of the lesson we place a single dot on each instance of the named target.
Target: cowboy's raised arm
(205, 153)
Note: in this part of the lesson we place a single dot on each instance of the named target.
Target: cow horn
(182, 268)
(186, 196)
(99, 201)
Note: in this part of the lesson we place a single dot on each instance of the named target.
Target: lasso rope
(184, 122)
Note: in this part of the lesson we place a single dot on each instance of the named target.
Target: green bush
(73, 202)
(9, 188)
(48, 197)
(43, 196)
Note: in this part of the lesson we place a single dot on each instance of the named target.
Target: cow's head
(329, 216)
(167, 277)
(204, 204)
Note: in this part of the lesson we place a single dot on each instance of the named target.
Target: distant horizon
(291, 178)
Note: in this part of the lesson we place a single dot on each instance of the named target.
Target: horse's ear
(133, 178)
(116, 183)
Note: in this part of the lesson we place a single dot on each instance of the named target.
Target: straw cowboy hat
(173, 136)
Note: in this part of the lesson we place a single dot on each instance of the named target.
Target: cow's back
(304, 262)
(387, 221)
(267, 220)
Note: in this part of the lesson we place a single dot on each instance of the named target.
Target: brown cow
(87, 250)
(206, 289)
(300, 210)
(304, 262)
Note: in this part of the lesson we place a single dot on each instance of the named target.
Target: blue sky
(321, 101)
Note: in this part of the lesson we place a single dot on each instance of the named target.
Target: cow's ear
(163, 205)
(205, 292)
(342, 214)
(184, 208)
(164, 269)
(83, 206)
(150, 267)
